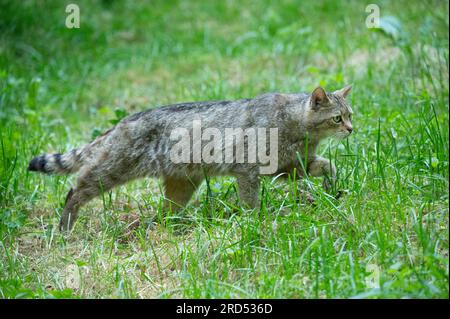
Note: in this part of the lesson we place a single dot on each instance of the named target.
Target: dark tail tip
(37, 164)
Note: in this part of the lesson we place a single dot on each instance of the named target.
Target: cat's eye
(337, 119)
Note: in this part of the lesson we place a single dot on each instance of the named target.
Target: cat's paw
(328, 184)
(341, 192)
(305, 197)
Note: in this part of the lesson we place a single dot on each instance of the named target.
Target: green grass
(60, 87)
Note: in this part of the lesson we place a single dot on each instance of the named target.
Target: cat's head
(330, 114)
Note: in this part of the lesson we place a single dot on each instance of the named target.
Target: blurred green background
(61, 87)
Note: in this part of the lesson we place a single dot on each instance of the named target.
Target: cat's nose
(349, 129)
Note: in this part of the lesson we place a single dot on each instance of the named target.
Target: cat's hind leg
(178, 191)
(92, 181)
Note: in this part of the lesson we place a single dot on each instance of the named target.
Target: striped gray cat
(142, 145)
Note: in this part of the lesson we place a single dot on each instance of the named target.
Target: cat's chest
(290, 149)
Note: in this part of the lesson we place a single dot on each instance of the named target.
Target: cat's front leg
(248, 187)
(320, 166)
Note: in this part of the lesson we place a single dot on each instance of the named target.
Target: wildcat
(140, 146)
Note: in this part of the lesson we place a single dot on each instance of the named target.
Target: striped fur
(68, 163)
(140, 145)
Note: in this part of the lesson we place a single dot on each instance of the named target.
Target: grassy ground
(387, 237)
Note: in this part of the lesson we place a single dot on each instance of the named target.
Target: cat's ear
(319, 98)
(344, 91)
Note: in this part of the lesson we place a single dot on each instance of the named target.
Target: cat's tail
(68, 163)
(60, 164)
